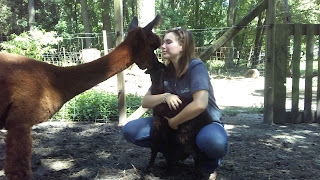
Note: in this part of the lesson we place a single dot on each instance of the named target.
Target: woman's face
(171, 49)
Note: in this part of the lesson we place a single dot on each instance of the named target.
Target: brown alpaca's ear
(134, 23)
(152, 24)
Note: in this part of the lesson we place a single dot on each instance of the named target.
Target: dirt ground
(65, 150)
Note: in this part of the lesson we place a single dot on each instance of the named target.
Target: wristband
(164, 98)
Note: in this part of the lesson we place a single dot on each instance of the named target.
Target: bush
(215, 66)
(31, 44)
(94, 105)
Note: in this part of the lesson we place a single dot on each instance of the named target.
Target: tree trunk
(106, 19)
(134, 7)
(197, 12)
(86, 23)
(172, 4)
(32, 19)
(75, 16)
(287, 14)
(256, 51)
(126, 20)
(230, 22)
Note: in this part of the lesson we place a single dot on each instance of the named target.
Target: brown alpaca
(32, 91)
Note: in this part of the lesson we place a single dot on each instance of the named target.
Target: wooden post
(105, 42)
(269, 63)
(317, 118)
(64, 56)
(295, 115)
(280, 73)
(118, 19)
(308, 116)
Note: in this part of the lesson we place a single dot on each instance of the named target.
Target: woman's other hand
(172, 100)
(171, 123)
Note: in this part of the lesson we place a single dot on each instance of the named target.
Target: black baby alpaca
(165, 136)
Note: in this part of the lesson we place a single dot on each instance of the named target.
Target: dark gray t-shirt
(196, 78)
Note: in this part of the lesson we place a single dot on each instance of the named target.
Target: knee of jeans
(127, 132)
(215, 149)
(214, 145)
(219, 149)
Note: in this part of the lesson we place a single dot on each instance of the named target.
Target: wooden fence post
(317, 118)
(295, 115)
(269, 63)
(118, 19)
(280, 73)
(308, 116)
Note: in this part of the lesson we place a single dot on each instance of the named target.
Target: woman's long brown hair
(185, 39)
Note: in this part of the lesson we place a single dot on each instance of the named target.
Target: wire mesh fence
(72, 51)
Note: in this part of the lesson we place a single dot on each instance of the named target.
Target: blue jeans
(212, 140)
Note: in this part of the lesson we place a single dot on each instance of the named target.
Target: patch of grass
(233, 111)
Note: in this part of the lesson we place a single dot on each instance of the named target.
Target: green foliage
(65, 17)
(302, 11)
(4, 17)
(31, 44)
(94, 105)
(215, 66)
(182, 13)
(13, 16)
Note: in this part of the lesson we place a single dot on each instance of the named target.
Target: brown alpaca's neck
(76, 79)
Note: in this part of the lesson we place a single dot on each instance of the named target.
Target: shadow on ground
(97, 151)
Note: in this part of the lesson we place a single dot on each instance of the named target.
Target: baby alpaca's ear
(134, 23)
(152, 24)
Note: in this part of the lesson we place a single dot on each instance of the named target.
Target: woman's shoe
(208, 176)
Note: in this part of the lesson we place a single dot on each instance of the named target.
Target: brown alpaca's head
(143, 42)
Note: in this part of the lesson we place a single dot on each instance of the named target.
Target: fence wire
(70, 52)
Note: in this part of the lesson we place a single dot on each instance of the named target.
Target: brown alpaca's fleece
(32, 91)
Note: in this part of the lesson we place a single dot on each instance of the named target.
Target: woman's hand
(172, 123)
(172, 100)
(192, 110)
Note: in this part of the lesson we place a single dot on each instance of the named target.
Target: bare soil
(66, 150)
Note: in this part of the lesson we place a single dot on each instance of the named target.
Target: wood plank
(304, 28)
(295, 115)
(308, 116)
(137, 113)
(234, 30)
(269, 63)
(315, 28)
(280, 69)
